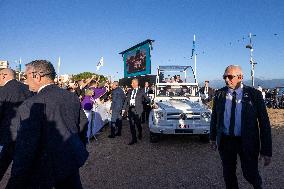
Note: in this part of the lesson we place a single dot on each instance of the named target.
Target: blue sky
(81, 31)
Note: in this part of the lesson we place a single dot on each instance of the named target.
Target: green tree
(86, 75)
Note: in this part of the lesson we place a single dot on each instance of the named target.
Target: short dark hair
(13, 72)
(135, 79)
(43, 67)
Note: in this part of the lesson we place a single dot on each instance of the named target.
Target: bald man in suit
(240, 127)
(12, 95)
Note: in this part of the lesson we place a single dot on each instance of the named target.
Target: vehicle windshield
(176, 74)
(176, 91)
(281, 91)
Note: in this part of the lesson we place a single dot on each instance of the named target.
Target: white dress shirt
(146, 90)
(7, 81)
(44, 87)
(238, 112)
(133, 96)
(206, 92)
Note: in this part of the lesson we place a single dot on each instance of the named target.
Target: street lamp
(249, 46)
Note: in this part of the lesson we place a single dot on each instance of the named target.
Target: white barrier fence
(97, 117)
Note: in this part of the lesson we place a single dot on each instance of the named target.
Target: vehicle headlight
(160, 115)
(206, 115)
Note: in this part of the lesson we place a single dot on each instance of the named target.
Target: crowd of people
(112, 100)
(45, 125)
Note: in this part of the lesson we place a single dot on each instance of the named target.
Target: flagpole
(58, 68)
(20, 68)
(195, 71)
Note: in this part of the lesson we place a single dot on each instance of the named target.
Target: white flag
(100, 63)
(58, 65)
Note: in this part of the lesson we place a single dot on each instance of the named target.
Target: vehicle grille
(189, 116)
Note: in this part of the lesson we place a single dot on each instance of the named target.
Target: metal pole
(251, 61)
(58, 68)
(195, 71)
(20, 68)
(252, 68)
(250, 46)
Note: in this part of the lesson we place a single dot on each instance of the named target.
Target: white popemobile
(178, 108)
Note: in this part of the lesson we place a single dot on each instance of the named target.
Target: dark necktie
(146, 91)
(233, 110)
(134, 93)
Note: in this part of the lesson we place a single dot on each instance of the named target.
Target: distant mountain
(264, 83)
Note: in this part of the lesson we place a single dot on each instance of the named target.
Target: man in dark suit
(118, 98)
(240, 126)
(12, 95)
(147, 106)
(50, 146)
(133, 105)
(206, 92)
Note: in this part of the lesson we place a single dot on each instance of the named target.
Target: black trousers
(134, 121)
(71, 182)
(6, 157)
(117, 124)
(229, 148)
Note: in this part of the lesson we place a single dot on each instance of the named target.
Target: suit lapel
(130, 95)
(136, 95)
(246, 99)
(222, 98)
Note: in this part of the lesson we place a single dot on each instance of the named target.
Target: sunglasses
(41, 74)
(230, 77)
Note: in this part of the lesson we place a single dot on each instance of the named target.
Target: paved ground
(174, 162)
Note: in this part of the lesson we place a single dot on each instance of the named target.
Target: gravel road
(174, 162)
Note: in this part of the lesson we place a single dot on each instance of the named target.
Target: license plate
(184, 126)
(180, 131)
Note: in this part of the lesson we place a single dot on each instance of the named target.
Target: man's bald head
(9, 72)
(236, 68)
(233, 76)
(6, 75)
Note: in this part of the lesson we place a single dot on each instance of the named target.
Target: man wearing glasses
(50, 146)
(12, 94)
(240, 126)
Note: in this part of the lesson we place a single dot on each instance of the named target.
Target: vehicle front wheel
(154, 137)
